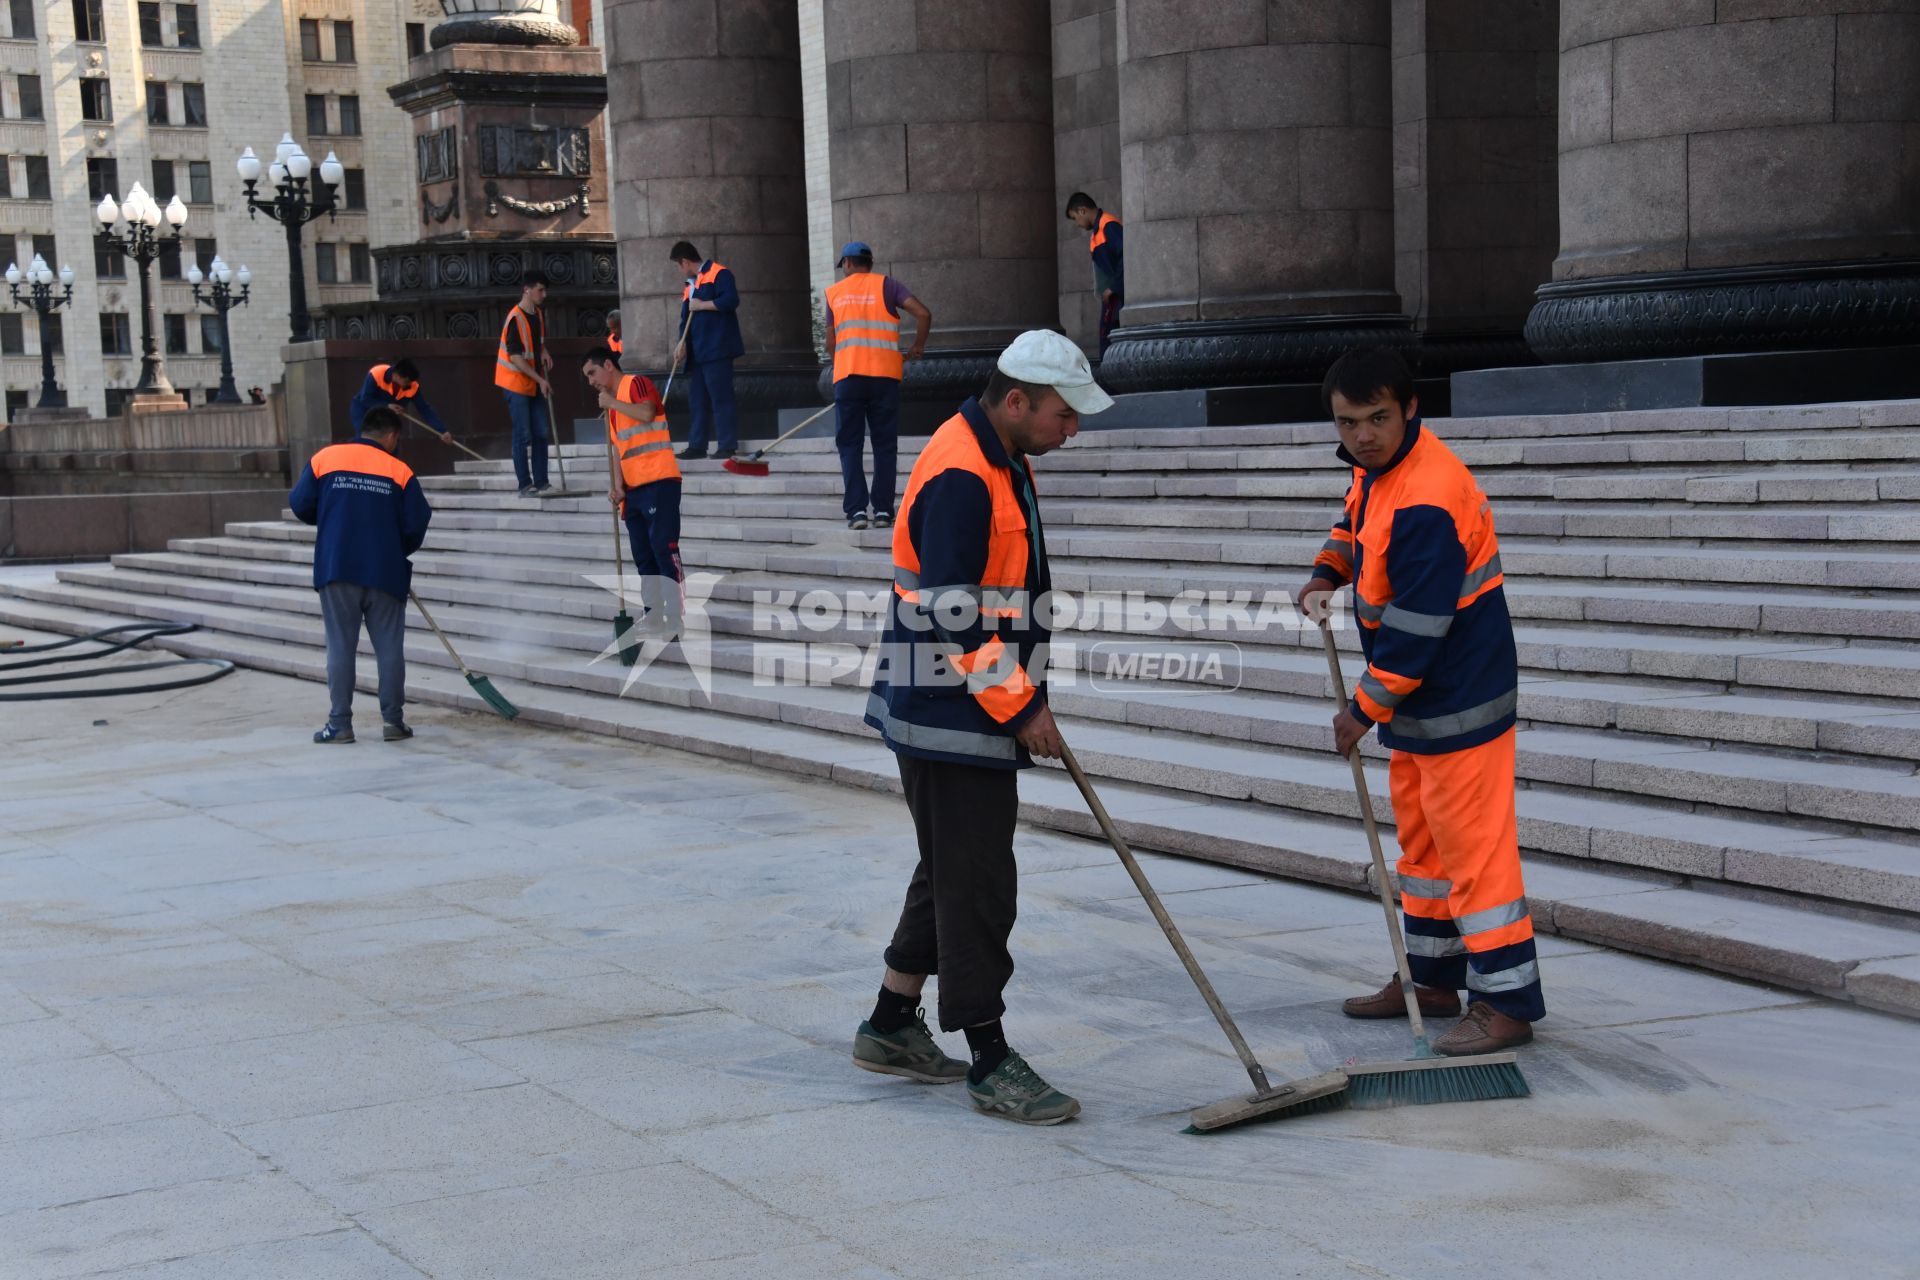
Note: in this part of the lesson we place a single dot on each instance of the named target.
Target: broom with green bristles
(480, 684)
(1427, 1076)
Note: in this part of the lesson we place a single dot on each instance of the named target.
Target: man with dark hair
(1417, 543)
(1109, 259)
(710, 346)
(370, 515)
(644, 481)
(959, 695)
(396, 385)
(520, 371)
(863, 339)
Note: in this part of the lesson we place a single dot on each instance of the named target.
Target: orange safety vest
(1100, 232)
(380, 380)
(504, 374)
(644, 449)
(706, 277)
(866, 336)
(613, 344)
(994, 674)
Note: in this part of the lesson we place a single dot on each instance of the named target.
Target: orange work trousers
(1461, 892)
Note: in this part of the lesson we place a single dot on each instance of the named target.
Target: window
(316, 115)
(199, 182)
(186, 22)
(108, 264)
(326, 264)
(116, 334)
(30, 104)
(343, 42)
(193, 105)
(175, 326)
(350, 115)
(6, 177)
(169, 259)
(157, 103)
(96, 99)
(150, 23)
(416, 39)
(22, 14)
(210, 334)
(103, 178)
(9, 250)
(39, 180)
(360, 264)
(309, 40)
(356, 188)
(204, 252)
(117, 398)
(163, 188)
(88, 22)
(53, 335)
(13, 335)
(44, 249)
(16, 401)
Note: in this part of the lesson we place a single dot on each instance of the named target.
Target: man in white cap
(960, 696)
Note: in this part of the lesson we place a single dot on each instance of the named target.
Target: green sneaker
(909, 1052)
(1013, 1090)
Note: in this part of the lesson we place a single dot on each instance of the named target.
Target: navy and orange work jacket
(377, 392)
(956, 677)
(1108, 247)
(1418, 544)
(371, 516)
(714, 335)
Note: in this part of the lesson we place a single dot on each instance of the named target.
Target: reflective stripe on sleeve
(1367, 611)
(1371, 686)
(1480, 577)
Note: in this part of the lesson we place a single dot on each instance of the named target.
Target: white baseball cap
(1045, 358)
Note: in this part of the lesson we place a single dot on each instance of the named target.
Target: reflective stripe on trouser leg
(1435, 955)
(1465, 802)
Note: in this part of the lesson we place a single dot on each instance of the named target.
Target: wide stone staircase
(1718, 614)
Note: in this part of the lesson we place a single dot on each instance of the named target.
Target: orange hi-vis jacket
(614, 344)
(1417, 542)
(380, 376)
(1100, 232)
(866, 336)
(644, 449)
(504, 374)
(969, 574)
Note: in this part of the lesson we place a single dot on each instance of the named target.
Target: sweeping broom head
(746, 466)
(623, 638)
(492, 696)
(1298, 1098)
(1420, 1081)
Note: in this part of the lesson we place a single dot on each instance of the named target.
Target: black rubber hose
(133, 633)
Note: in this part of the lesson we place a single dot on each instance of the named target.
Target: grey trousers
(346, 606)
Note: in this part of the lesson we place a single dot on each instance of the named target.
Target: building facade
(100, 94)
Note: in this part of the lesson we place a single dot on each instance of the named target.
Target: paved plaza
(507, 1002)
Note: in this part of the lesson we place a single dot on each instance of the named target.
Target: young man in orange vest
(644, 481)
(711, 346)
(863, 339)
(1417, 543)
(395, 385)
(520, 371)
(959, 694)
(1108, 247)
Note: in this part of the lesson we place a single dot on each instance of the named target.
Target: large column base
(1259, 351)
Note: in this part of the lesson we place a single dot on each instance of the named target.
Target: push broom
(622, 621)
(481, 685)
(1300, 1097)
(476, 456)
(1427, 1076)
(753, 466)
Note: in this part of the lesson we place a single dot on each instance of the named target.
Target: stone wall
(1086, 146)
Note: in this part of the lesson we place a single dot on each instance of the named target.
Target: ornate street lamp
(38, 277)
(293, 205)
(221, 297)
(141, 240)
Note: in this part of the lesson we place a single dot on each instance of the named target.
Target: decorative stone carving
(1225, 353)
(516, 151)
(431, 212)
(536, 208)
(437, 155)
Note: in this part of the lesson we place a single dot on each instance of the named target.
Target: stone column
(941, 134)
(1734, 177)
(1256, 170)
(705, 123)
(1086, 146)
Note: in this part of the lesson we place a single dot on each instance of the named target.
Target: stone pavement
(512, 1002)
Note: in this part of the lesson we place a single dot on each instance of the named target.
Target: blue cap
(854, 249)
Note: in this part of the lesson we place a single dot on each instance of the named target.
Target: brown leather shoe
(1387, 1002)
(1484, 1030)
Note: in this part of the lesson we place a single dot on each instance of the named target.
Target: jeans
(960, 903)
(530, 433)
(652, 513)
(344, 607)
(866, 404)
(710, 396)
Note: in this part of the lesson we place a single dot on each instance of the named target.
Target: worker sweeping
(396, 384)
(644, 483)
(709, 344)
(1107, 244)
(959, 695)
(371, 515)
(520, 371)
(1417, 543)
(863, 311)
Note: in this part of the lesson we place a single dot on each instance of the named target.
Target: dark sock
(894, 1012)
(989, 1047)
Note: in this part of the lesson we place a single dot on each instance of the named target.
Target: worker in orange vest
(1108, 247)
(644, 481)
(1417, 543)
(613, 332)
(520, 371)
(396, 385)
(863, 339)
(711, 302)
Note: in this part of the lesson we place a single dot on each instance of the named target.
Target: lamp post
(221, 297)
(141, 240)
(293, 205)
(38, 277)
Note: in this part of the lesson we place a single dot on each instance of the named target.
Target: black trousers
(960, 904)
